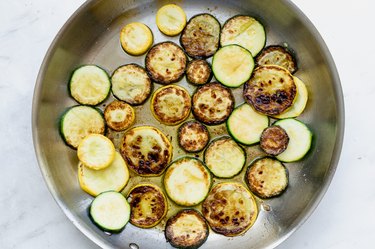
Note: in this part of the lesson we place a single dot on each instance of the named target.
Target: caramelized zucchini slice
(200, 37)
(193, 136)
(187, 229)
(146, 150)
(212, 103)
(230, 209)
(271, 90)
(171, 104)
(274, 140)
(267, 177)
(136, 38)
(130, 83)
(171, 19)
(148, 205)
(119, 115)
(166, 63)
(187, 181)
(198, 72)
(277, 55)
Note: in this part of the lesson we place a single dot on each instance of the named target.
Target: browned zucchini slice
(212, 103)
(171, 104)
(198, 72)
(193, 136)
(274, 140)
(230, 209)
(200, 37)
(148, 205)
(166, 63)
(187, 229)
(146, 150)
(277, 55)
(119, 115)
(267, 177)
(270, 90)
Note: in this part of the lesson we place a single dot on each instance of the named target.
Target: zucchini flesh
(277, 55)
(198, 72)
(193, 136)
(136, 38)
(274, 140)
(119, 115)
(171, 19)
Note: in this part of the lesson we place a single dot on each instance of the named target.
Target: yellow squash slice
(171, 19)
(136, 38)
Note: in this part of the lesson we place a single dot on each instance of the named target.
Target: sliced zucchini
(224, 157)
(198, 72)
(166, 63)
(245, 31)
(246, 125)
(300, 101)
(212, 103)
(277, 55)
(187, 229)
(271, 90)
(110, 211)
(300, 138)
(267, 177)
(187, 181)
(130, 83)
(200, 37)
(171, 104)
(230, 209)
(89, 85)
(171, 19)
(148, 205)
(114, 177)
(146, 150)
(232, 65)
(78, 122)
(274, 140)
(193, 136)
(119, 115)
(136, 38)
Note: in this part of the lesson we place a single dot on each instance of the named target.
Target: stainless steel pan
(91, 35)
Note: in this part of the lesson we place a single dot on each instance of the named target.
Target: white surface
(29, 217)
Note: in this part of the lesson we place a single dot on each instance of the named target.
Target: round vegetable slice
(274, 140)
(119, 115)
(232, 65)
(96, 151)
(89, 85)
(110, 211)
(193, 136)
(171, 104)
(171, 19)
(187, 181)
(114, 177)
(230, 209)
(136, 38)
(277, 55)
(267, 177)
(187, 229)
(148, 205)
(198, 72)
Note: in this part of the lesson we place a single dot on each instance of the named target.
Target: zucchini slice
(119, 115)
(148, 205)
(193, 136)
(245, 31)
(114, 177)
(78, 122)
(198, 72)
(224, 157)
(271, 90)
(300, 101)
(274, 140)
(277, 55)
(200, 37)
(300, 138)
(131, 83)
(146, 150)
(267, 177)
(187, 181)
(166, 63)
(110, 211)
(171, 19)
(232, 65)
(136, 38)
(171, 104)
(212, 103)
(230, 209)
(246, 125)
(187, 229)
(89, 85)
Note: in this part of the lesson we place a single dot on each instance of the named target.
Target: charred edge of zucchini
(198, 72)
(204, 55)
(196, 126)
(274, 140)
(289, 53)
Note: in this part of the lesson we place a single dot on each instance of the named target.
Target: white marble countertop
(30, 218)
